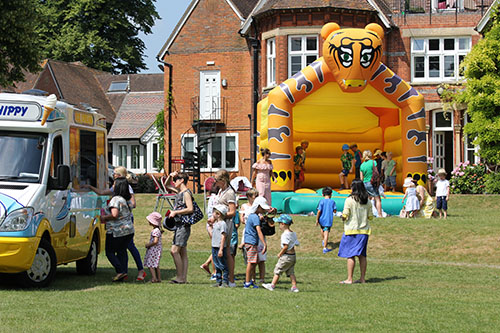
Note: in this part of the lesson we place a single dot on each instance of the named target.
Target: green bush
(145, 185)
(468, 178)
(493, 183)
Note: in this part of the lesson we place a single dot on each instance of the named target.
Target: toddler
(326, 210)
(287, 259)
(219, 235)
(412, 205)
(154, 247)
(442, 193)
(212, 200)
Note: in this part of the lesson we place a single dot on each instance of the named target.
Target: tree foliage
(482, 92)
(19, 44)
(103, 34)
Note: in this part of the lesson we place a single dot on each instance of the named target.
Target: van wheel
(88, 265)
(43, 270)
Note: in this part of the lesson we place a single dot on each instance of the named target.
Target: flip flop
(344, 282)
(206, 269)
(176, 282)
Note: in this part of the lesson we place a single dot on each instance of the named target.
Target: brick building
(229, 54)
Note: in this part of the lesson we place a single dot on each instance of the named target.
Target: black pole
(170, 69)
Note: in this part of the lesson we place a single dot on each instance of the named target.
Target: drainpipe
(170, 68)
(255, 46)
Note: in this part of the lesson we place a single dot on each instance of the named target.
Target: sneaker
(294, 290)
(224, 285)
(249, 285)
(213, 277)
(268, 286)
(231, 284)
(325, 250)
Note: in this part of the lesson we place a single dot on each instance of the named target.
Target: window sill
(436, 82)
(269, 88)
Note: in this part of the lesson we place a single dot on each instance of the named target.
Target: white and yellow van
(48, 149)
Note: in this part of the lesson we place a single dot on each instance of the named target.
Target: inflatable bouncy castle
(346, 96)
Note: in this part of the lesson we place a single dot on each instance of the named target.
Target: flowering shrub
(468, 178)
(431, 174)
(493, 183)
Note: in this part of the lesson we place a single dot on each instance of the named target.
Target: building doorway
(443, 141)
(209, 95)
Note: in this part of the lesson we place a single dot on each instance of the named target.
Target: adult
(366, 173)
(427, 204)
(262, 174)
(120, 172)
(227, 197)
(119, 229)
(183, 205)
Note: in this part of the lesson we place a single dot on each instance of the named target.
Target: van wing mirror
(62, 180)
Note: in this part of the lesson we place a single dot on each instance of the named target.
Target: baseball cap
(284, 218)
(345, 146)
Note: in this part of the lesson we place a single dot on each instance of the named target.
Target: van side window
(57, 156)
(88, 158)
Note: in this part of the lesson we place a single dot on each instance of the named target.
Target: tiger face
(352, 54)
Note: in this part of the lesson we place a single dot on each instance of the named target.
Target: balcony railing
(436, 6)
(212, 110)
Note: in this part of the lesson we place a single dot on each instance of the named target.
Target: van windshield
(21, 156)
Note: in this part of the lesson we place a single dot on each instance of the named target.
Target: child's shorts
(286, 263)
(325, 228)
(233, 249)
(252, 256)
(345, 172)
(441, 203)
(390, 181)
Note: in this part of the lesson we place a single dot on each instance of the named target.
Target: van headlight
(17, 220)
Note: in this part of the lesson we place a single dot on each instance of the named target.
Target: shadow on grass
(378, 280)
(67, 279)
(333, 245)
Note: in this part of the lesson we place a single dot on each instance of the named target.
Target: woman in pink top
(263, 174)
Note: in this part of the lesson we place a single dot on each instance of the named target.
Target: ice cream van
(48, 149)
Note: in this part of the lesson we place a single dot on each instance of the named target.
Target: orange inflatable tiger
(346, 96)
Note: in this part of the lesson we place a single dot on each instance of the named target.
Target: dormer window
(118, 86)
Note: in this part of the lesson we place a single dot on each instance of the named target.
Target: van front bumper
(17, 253)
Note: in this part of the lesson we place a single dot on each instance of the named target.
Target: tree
(19, 45)
(482, 92)
(103, 34)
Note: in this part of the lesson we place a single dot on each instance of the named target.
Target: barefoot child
(326, 210)
(442, 193)
(219, 235)
(154, 247)
(357, 212)
(412, 205)
(347, 165)
(287, 259)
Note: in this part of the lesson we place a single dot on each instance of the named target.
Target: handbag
(375, 176)
(192, 218)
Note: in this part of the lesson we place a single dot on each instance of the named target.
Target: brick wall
(211, 35)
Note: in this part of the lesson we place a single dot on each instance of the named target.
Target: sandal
(205, 268)
(345, 282)
(141, 277)
(120, 277)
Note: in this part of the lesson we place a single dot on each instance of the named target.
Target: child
(357, 157)
(347, 164)
(252, 236)
(357, 212)
(251, 195)
(389, 166)
(298, 165)
(219, 235)
(412, 205)
(287, 259)
(326, 210)
(154, 247)
(442, 193)
(212, 200)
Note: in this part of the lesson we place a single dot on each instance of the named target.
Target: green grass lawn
(424, 275)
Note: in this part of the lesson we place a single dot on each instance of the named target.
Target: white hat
(408, 182)
(259, 201)
(221, 209)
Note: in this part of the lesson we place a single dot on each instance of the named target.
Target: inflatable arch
(346, 96)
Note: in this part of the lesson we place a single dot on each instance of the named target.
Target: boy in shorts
(287, 259)
(252, 236)
(442, 193)
(326, 210)
(347, 164)
(389, 166)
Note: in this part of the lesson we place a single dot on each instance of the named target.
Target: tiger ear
(328, 29)
(376, 29)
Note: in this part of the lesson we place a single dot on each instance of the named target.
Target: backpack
(375, 176)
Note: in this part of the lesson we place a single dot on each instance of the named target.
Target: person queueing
(219, 235)
(366, 170)
(356, 216)
(119, 229)
(262, 175)
(121, 172)
(212, 201)
(348, 163)
(183, 206)
(154, 247)
(287, 258)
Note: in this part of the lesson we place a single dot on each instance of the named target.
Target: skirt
(353, 245)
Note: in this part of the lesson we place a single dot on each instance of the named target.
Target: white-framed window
(470, 150)
(271, 62)
(302, 51)
(220, 153)
(442, 121)
(438, 59)
(439, 5)
(136, 157)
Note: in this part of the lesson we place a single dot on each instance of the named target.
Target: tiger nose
(355, 83)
